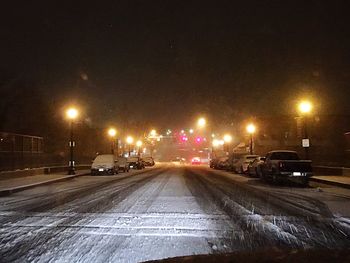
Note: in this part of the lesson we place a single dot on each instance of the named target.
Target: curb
(9, 191)
(342, 185)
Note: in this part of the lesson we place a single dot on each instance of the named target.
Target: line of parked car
(109, 164)
(276, 166)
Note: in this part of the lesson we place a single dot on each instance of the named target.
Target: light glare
(112, 132)
(72, 113)
(251, 128)
(305, 107)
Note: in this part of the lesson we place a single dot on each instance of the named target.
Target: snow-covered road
(164, 212)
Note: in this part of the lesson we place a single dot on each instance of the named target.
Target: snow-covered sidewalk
(8, 186)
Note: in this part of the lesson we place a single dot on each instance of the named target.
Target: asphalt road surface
(166, 211)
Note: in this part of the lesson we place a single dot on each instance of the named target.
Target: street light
(201, 122)
(305, 108)
(153, 133)
(251, 130)
(216, 143)
(227, 140)
(129, 141)
(138, 144)
(71, 114)
(112, 133)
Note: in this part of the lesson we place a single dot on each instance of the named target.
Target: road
(166, 211)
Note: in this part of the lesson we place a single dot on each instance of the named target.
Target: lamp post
(71, 114)
(227, 139)
(129, 141)
(138, 144)
(251, 130)
(305, 108)
(112, 133)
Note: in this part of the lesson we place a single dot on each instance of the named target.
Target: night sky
(165, 62)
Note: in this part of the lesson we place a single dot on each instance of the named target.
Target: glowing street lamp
(305, 108)
(153, 133)
(216, 143)
(227, 138)
(129, 141)
(138, 144)
(71, 114)
(201, 122)
(251, 130)
(112, 133)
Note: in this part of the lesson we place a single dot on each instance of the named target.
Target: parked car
(104, 164)
(222, 163)
(240, 165)
(254, 167)
(283, 165)
(148, 161)
(136, 163)
(123, 164)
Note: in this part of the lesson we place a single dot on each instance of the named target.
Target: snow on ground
(160, 219)
(139, 218)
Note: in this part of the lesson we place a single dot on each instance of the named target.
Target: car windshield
(104, 159)
(130, 131)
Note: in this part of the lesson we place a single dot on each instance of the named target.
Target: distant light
(184, 138)
(213, 135)
(305, 106)
(199, 139)
(201, 122)
(153, 133)
(227, 138)
(112, 132)
(182, 131)
(72, 113)
(251, 128)
(216, 143)
(191, 131)
(139, 143)
(129, 140)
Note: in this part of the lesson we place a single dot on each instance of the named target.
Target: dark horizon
(164, 63)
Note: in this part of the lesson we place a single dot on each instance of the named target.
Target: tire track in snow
(20, 247)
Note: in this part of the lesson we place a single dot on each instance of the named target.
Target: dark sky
(167, 61)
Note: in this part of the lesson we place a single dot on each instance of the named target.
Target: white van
(104, 164)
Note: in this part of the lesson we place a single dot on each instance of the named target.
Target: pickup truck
(286, 165)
